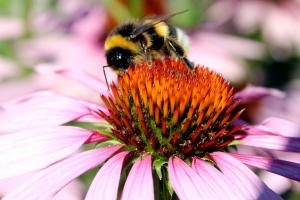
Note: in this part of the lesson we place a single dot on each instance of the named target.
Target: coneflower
(163, 132)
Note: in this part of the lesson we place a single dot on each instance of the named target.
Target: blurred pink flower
(7, 68)
(285, 107)
(10, 28)
(37, 136)
(224, 53)
(279, 21)
(76, 49)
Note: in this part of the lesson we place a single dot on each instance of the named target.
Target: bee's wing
(155, 20)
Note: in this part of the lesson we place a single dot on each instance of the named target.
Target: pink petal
(187, 183)
(105, 184)
(258, 130)
(73, 191)
(9, 184)
(253, 93)
(277, 183)
(34, 149)
(281, 167)
(242, 178)
(139, 183)
(49, 181)
(216, 180)
(96, 137)
(42, 109)
(273, 142)
(78, 75)
(282, 127)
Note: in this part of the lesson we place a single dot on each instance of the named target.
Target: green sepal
(107, 143)
(235, 142)
(158, 164)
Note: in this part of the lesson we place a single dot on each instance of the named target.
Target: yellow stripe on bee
(162, 29)
(120, 41)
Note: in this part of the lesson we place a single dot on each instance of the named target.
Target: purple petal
(273, 142)
(78, 75)
(187, 183)
(42, 109)
(34, 149)
(48, 182)
(281, 167)
(253, 93)
(242, 178)
(215, 179)
(105, 184)
(139, 183)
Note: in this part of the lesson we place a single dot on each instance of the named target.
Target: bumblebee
(134, 42)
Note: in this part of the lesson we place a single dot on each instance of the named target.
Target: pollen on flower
(169, 109)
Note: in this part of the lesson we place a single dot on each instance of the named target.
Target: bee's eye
(131, 36)
(119, 58)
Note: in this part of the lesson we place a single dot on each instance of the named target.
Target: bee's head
(120, 47)
(119, 58)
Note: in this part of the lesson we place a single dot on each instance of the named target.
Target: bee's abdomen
(157, 40)
(182, 39)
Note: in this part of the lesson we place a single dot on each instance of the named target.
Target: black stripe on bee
(172, 32)
(125, 30)
(158, 41)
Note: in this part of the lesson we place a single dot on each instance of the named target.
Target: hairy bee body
(134, 42)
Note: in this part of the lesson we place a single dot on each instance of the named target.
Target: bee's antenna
(105, 76)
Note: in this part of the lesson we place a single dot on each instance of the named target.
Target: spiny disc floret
(168, 109)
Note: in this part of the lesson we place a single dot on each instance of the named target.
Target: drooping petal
(34, 149)
(49, 181)
(281, 167)
(273, 142)
(187, 183)
(40, 110)
(282, 127)
(139, 183)
(216, 180)
(242, 178)
(105, 184)
(253, 93)
(78, 75)
(275, 126)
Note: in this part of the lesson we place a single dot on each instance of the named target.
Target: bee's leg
(178, 50)
(105, 76)
(146, 53)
